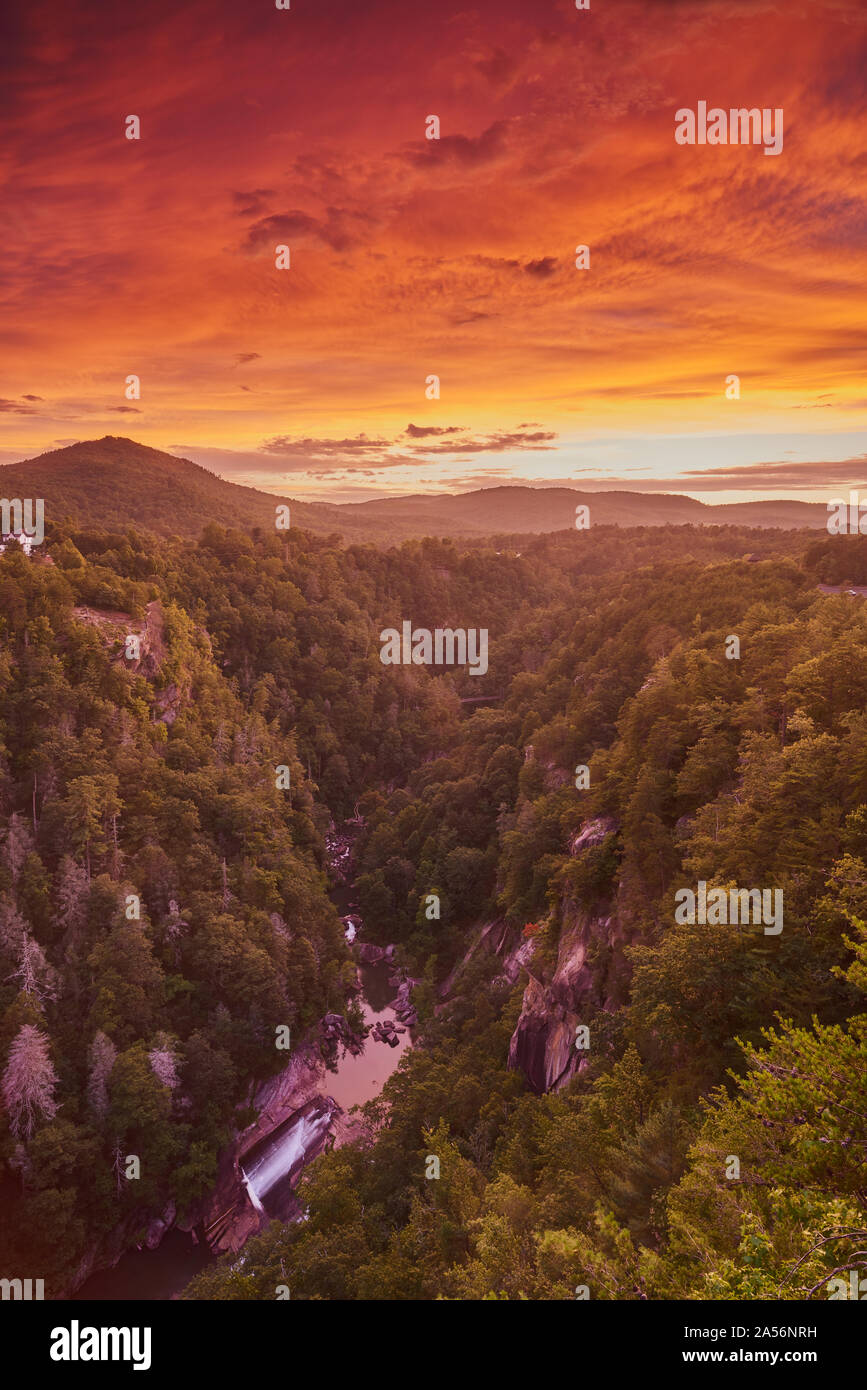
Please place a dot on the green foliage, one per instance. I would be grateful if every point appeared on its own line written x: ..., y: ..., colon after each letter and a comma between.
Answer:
x: 160, y: 893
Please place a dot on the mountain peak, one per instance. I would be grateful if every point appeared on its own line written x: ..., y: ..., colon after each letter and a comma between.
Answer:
x: 115, y: 482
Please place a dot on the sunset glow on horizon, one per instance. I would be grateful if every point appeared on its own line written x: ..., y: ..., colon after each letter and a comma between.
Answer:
x: 454, y: 258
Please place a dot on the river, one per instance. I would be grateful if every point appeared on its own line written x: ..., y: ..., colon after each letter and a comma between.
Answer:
x: 270, y: 1168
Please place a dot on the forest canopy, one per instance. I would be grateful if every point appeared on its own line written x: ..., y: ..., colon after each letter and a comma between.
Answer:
x: 164, y: 904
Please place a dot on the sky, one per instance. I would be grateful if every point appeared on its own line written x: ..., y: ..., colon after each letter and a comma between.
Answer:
x: 455, y: 258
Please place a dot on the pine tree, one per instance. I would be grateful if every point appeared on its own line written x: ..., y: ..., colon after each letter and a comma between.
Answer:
x: 163, y: 1062
x: 29, y: 1081
x: 102, y: 1057
x: 37, y: 977
x: 71, y: 890
x: 17, y: 845
x: 13, y: 929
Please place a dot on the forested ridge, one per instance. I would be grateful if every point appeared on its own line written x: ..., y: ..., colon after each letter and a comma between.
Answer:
x: 98, y: 482
x: 164, y: 906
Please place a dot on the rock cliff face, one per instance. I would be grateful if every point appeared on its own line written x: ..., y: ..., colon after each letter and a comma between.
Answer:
x: 116, y: 627
x: 498, y: 939
x: 543, y: 1043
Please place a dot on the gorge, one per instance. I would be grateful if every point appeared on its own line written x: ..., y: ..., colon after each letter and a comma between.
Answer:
x: 302, y: 1110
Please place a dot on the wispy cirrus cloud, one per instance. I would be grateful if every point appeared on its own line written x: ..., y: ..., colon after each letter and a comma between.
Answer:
x: 501, y: 442
x: 286, y: 446
x: 386, y: 453
x: 328, y: 457
x: 784, y: 473
x: 427, y: 431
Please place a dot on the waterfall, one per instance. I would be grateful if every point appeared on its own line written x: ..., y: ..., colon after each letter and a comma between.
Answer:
x: 252, y: 1194
x: 280, y: 1156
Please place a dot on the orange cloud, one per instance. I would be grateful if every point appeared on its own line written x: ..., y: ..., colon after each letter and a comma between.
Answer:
x: 413, y: 257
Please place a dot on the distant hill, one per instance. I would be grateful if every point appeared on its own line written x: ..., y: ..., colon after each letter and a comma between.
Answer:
x: 115, y: 483
x: 516, y: 509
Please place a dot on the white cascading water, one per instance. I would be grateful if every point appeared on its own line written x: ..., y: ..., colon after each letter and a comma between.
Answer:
x: 251, y: 1193
x: 278, y: 1160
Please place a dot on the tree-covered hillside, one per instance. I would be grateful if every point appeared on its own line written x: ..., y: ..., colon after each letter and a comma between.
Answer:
x: 116, y: 482
x: 164, y: 907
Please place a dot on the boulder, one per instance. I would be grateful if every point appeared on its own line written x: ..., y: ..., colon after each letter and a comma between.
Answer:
x: 369, y: 954
x: 402, y: 998
x: 157, y: 1228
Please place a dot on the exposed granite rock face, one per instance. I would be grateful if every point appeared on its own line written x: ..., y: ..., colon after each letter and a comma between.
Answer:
x: 115, y: 627
x: 369, y: 954
x: 543, y: 1043
x: 517, y: 957
x: 500, y: 940
x: 591, y: 834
